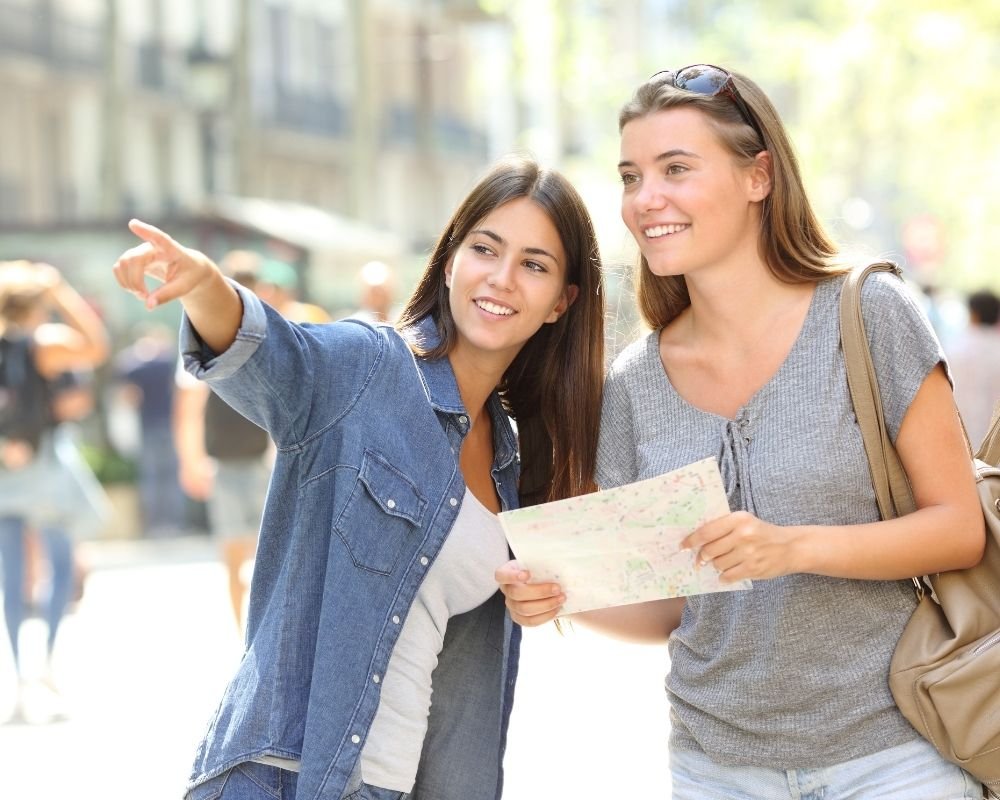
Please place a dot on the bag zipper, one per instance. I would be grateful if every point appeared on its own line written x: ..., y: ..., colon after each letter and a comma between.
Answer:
x: 994, y: 639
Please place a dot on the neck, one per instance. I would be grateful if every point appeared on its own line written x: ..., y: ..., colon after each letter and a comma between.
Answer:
x: 733, y: 305
x: 476, y: 380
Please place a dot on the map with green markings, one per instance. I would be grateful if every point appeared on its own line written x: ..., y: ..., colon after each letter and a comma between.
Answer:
x: 622, y: 545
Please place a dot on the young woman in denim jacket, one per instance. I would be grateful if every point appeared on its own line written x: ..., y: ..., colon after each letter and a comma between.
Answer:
x: 374, y: 574
x: 781, y: 691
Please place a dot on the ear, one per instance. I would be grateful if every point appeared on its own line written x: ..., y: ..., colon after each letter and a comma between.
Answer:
x: 566, y: 299
x: 447, y: 274
x: 759, y: 180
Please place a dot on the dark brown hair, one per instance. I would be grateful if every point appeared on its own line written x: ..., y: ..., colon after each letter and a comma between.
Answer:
x: 553, y: 387
x: 792, y: 243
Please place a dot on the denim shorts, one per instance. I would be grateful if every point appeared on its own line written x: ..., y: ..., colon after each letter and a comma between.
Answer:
x: 912, y: 771
x: 237, y: 500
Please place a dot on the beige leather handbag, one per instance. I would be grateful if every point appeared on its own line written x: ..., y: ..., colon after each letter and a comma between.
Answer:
x: 945, y: 672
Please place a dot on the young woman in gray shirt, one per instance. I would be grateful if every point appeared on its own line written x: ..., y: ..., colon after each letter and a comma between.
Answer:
x: 781, y: 691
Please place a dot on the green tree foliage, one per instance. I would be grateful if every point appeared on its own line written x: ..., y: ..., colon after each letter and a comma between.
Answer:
x: 892, y: 105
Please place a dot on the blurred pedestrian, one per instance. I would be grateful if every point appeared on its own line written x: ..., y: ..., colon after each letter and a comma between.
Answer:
x: 42, y: 479
x: 974, y: 355
x: 277, y: 285
x: 225, y: 459
x: 373, y: 583
x: 145, y: 374
x: 741, y: 287
x: 376, y: 293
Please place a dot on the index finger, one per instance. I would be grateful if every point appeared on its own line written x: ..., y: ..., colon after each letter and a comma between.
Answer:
x: 153, y: 235
x: 708, y: 532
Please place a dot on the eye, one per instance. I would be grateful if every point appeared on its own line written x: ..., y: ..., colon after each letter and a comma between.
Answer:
x: 676, y: 169
x: 534, y: 266
x: 482, y: 249
x: 628, y: 178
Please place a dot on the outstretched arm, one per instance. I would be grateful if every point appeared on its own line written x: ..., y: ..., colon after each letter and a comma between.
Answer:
x: 79, y: 341
x: 212, y: 305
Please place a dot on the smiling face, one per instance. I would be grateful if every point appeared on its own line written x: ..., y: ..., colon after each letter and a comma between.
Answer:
x: 506, y: 279
x: 685, y: 198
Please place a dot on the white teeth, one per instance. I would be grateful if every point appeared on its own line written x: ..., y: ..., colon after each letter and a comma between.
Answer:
x: 664, y: 230
x: 493, y: 308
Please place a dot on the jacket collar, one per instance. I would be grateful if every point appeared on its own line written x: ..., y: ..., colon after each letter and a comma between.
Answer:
x: 442, y: 390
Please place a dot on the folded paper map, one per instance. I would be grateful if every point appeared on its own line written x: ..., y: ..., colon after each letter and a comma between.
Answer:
x: 622, y: 545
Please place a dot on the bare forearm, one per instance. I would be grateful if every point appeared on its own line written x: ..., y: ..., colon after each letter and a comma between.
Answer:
x: 215, y: 311
x: 643, y: 623
x: 189, y: 422
x: 934, y: 539
x: 77, y: 314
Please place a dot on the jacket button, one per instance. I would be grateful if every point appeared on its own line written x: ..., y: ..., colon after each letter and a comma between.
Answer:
x: 356, y: 739
x: 463, y: 419
x: 390, y: 503
x: 376, y: 678
x: 453, y: 502
x: 395, y: 619
x: 424, y: 561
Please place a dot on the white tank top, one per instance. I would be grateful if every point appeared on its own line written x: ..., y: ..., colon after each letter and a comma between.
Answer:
x: 459, y: 580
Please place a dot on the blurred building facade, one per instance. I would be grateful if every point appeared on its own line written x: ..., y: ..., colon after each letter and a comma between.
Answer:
x: 378, y: 110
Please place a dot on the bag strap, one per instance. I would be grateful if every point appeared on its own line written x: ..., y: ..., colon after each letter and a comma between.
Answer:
x: 989, y: 450
x: 892, y: 489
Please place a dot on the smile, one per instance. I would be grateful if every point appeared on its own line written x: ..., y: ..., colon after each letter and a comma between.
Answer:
x: 494, y: 308
x: 663, y: 230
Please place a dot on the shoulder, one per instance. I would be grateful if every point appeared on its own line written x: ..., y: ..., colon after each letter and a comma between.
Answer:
x: 884, y: 293
x: 635, y: 359
x: 347, y: 333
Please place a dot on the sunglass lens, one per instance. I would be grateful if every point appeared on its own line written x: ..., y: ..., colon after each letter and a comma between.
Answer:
x: 701, y: 79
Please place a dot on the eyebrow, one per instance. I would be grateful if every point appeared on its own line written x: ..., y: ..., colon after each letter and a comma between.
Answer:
x: 663, y: 157
x: 534, y: 251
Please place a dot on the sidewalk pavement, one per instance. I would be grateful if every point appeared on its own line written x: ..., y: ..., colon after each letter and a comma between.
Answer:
x: 144, y: 659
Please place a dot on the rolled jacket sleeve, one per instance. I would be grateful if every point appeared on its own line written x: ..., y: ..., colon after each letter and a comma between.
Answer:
x: 201, y: 362
x: 294, y: 380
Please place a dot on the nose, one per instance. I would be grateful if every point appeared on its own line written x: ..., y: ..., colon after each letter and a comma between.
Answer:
x: 501, y: 277
x: 649, y: 197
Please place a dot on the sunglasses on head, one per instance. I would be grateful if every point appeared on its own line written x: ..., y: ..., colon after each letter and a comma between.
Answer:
x: 710, y: 80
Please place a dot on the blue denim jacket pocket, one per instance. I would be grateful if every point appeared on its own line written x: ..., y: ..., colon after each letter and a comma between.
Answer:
x: 385, y: 507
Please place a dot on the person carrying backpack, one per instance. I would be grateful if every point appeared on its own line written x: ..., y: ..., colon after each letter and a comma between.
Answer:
x: 34, y: 472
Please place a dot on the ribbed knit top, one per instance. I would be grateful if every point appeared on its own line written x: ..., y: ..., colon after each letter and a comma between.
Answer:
x: 793, y: 673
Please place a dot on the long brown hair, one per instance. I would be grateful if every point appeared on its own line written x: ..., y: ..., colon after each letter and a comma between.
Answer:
x: 553, y: 387
x: 792, y: 243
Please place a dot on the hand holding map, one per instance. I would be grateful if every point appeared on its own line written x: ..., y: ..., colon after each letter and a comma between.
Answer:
x: 622, y: 545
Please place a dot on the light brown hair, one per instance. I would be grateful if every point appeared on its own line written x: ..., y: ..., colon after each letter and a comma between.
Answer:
x: 553, y: 387
x: 793, y: 243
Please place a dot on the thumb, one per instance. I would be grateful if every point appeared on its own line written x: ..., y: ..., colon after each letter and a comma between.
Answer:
x: 511, y: 572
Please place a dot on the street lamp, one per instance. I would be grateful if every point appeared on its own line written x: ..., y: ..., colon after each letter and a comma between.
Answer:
x: 209, y: 81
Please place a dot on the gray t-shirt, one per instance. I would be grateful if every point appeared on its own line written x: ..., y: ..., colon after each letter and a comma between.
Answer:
x: 792, y: 674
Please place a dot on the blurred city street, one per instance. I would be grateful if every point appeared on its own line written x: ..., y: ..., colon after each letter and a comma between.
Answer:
x: 143, y: 660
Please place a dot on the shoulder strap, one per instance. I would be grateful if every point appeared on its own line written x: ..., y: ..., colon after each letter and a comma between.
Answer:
x: 892, y: 489
x: 989, y: 450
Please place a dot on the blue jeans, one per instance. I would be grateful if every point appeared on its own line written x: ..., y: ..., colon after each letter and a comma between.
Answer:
x: 12, y: 552
x: 912, y: 771
x: 253, y: 781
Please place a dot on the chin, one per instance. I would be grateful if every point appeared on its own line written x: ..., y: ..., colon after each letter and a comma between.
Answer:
x: 665, y: 269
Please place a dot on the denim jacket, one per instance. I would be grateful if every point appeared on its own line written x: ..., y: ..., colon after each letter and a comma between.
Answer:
x: 365, y: 489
